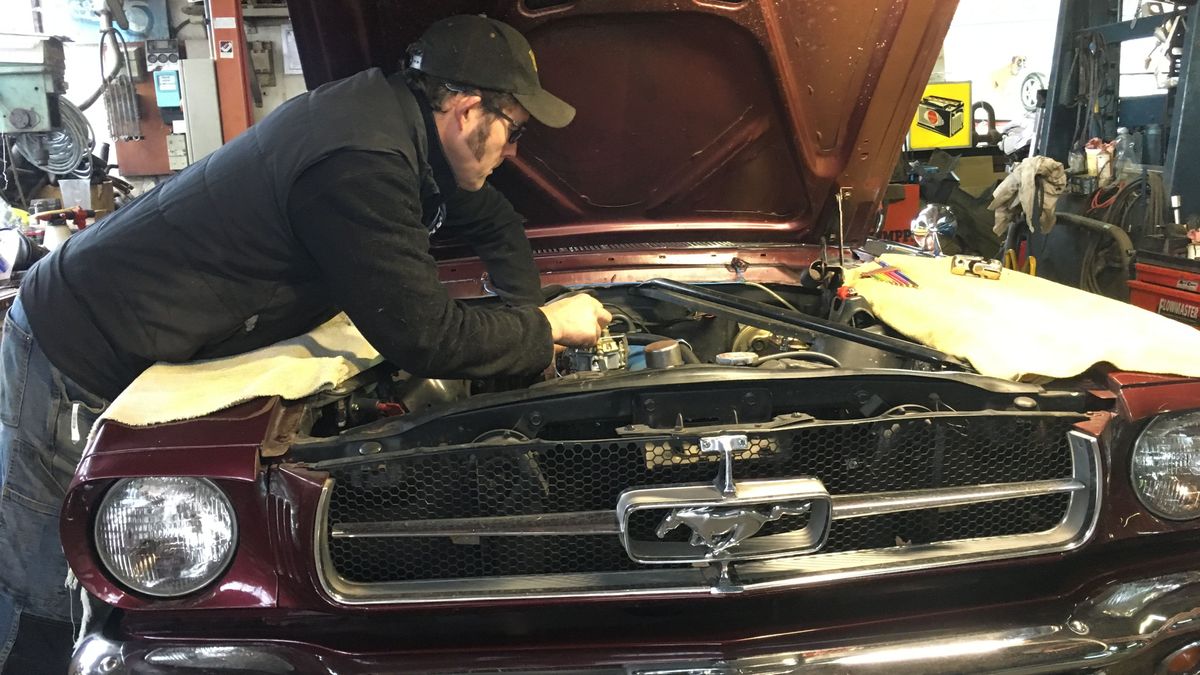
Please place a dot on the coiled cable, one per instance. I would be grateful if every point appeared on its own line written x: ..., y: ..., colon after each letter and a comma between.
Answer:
x: 61, y: 151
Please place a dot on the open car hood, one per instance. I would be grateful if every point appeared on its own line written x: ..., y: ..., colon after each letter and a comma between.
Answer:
x: 697, y: 119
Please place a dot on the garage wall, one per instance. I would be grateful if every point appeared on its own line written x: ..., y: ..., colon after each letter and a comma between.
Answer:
x: 986, y: 36
x: 1138, y: 79
x: 83, y: 72
x: 259, y: 28
x: 985, y: 39
x: 286, y: 86
x: 16, y: 16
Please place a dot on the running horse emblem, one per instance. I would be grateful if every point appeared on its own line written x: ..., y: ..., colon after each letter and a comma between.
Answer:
x: 721, y: 529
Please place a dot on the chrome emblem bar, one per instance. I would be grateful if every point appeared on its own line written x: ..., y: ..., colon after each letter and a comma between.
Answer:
x: 722, y: 529
x: 724, y: 518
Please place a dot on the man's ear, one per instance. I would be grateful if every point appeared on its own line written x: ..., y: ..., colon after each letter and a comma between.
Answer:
x: 462, y: 107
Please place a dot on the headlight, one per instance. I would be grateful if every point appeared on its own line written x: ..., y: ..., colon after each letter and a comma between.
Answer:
x: 165, y: 536
x: 1166, y: 466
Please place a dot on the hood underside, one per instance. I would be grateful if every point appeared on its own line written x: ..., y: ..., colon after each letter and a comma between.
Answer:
x: 742, y: 118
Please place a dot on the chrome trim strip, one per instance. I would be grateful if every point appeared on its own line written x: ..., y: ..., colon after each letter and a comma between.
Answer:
x: 606, y: 522
x: 695, y: 581
x: 1120, y: 627
x: 880, y: 503
x: 1076, y: 528
x: 575, y: 523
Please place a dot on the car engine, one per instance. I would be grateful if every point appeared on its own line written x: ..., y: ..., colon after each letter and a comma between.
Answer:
x: 658, y: 327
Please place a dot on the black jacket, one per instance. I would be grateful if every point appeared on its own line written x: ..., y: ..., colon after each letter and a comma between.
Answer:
x: 326, y: 204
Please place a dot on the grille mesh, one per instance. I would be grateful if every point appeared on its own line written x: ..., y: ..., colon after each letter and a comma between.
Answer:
x: 543, y: 477
x: 992, y: 519
x: 379, y: 560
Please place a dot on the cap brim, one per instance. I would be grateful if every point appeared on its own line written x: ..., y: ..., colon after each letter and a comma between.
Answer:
x: 547, y: 108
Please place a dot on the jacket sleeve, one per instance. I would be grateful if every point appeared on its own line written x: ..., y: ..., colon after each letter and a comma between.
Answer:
x: 358, y: 215
x: 488, y: 223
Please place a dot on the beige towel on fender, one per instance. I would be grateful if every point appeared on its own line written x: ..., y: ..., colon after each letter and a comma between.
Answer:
x: 1020, y: 327
x: 167, y: 392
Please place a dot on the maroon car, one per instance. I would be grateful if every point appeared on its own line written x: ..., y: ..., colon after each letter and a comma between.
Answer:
x: 750, y: 474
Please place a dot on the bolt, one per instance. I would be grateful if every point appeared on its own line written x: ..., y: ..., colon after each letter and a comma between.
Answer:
x: 108, y: 664
x: 370, y: 448
x: 1079, y: 627
x: 705, y: 444
x: 750, y: 399
x: 535, y: 418
x: 649, y: 405
x: 22, y: 118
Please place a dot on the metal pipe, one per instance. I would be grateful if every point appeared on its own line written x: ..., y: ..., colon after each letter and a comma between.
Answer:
x: 1124, y: 243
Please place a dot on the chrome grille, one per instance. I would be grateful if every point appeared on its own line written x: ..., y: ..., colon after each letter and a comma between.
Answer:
x: 381, y: 540
x: 990, y: 519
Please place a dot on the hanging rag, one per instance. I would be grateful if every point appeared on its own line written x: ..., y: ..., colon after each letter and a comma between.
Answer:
x: 1020, y: 189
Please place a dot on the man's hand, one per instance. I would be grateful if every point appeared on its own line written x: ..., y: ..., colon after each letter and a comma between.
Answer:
x: 576, y: 321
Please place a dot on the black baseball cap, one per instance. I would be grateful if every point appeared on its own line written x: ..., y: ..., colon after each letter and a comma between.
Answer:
x: 489, y: 54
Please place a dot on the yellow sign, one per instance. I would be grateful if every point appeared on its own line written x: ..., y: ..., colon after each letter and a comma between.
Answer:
x: 943, y: 118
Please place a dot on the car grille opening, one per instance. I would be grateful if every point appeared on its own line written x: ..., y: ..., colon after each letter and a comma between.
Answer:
x: 369, y: 551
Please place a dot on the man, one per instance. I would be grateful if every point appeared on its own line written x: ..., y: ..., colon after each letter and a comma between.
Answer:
x: 327, y: 205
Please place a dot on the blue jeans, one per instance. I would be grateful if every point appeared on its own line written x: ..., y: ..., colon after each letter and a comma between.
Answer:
x: 45, y: 419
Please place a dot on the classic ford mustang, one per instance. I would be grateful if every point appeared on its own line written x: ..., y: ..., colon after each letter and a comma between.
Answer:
x: 750, y: 473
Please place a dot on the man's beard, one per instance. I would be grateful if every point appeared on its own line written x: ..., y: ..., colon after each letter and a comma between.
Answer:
x: 477, y: 143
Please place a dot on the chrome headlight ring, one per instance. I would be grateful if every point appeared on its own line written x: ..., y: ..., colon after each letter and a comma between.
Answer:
x: 1165, y: 466
x: 165, y: 536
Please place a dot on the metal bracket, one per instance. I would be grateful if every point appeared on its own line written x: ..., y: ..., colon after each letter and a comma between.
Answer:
x: 726, y: 445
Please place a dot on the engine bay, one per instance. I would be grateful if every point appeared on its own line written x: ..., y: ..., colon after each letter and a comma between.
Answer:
x: 662, y: 326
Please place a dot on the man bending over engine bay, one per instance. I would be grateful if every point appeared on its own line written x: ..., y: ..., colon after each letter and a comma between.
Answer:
x: 326, y: 205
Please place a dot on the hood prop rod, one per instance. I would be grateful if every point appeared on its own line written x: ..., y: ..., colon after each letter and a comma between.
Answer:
x: 785, y: 321
x: 842, y: 194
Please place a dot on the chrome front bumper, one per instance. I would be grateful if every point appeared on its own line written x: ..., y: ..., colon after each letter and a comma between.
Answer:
x: 1130, y: 627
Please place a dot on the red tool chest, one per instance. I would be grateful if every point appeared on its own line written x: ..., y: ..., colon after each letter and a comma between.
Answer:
x: 1168, y: 286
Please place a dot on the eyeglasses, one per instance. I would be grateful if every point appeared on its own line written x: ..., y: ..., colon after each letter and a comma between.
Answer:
x: 515, y: 131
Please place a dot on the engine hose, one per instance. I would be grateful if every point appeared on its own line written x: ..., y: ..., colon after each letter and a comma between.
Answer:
x: 1093, y: 263
x: 803, y: 356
